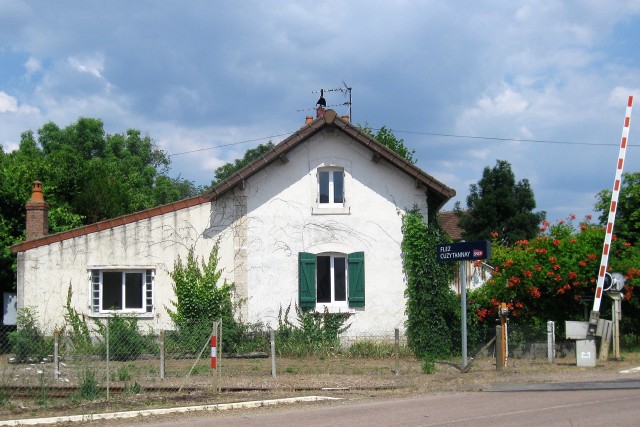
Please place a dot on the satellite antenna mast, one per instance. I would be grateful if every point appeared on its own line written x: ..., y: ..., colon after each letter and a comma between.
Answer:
x: 345, y: 90
x: 348, y: 90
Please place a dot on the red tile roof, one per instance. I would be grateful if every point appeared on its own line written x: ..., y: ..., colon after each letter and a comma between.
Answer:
x: 449, y: 222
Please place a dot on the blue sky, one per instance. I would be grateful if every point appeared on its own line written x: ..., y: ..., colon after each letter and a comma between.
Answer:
x: 195, y: 75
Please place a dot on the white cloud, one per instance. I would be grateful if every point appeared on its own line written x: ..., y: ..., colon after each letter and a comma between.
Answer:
x: 620, y: 95
x: 8, y: 104
x: 93, y: 65
x: 32, y: 65
x: 505, y: 103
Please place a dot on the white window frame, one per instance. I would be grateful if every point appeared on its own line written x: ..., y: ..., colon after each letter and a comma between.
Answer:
x: 331, y: 208
x: 333, y: 303
x: 96, y: 276
x: 332, y: 171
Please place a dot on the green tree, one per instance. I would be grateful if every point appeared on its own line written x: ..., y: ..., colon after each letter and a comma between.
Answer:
x: 387, y: 138
x: 499, y: 204
x: 228, y: 169
x: 87, y: 176
x: 627, y: 223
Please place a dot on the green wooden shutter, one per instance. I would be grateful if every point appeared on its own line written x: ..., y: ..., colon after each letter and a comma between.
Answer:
x: 356, y: 279
x: 307, y: 280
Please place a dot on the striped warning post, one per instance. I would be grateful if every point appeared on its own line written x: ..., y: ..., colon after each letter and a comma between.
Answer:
x: 617, y: 183
x: 214, y: 352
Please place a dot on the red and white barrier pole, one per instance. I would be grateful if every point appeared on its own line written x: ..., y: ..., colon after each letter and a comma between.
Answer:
x: 604, y: 261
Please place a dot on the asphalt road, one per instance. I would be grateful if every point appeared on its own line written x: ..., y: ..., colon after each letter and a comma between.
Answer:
x: 585, y: 405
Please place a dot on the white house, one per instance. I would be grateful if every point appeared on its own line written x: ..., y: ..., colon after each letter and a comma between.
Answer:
x: 314, y: 222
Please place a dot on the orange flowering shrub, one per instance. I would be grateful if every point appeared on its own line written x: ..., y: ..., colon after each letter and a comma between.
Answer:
x: 553, y: 276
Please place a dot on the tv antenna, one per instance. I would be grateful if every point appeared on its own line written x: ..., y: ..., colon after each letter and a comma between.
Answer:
x: 346, y: 90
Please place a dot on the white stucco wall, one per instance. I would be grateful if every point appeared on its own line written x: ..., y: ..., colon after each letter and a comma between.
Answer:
x: 46, y: 272
x: 283, y: 220
x: 261, y: 229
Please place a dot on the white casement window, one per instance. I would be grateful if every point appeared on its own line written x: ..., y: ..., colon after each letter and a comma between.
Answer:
x: 331, y: 187
x: 121, y: 291
x: 331, y: 279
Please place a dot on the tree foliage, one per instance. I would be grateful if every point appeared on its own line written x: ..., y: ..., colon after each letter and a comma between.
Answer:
x: 553, y: 277
x: 497, y: 203
x: 228, y: 169
x: 387, y: 138
x: 627, y: 223
x: 433, y: 311
x: 87, y: 176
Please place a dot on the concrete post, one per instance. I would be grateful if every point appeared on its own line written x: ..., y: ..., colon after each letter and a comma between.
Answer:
x: 551, y: 341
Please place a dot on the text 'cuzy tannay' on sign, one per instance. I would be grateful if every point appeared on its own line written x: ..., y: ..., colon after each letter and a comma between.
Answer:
x: 463, y: 251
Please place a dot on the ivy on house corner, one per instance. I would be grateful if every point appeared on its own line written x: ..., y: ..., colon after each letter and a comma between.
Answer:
x: 433, y: 312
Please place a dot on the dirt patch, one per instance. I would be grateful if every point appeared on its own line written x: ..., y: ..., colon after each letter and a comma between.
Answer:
x: 338, y: 376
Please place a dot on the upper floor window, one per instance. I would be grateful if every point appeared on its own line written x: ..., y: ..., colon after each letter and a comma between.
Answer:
x: 331, y: 187
x: 126, y: 291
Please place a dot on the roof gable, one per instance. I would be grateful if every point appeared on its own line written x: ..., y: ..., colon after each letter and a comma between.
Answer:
x: 441, y: 192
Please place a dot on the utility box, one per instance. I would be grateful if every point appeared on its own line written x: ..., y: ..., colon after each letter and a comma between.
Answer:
x: 586, y: 352
x: 576, y: 330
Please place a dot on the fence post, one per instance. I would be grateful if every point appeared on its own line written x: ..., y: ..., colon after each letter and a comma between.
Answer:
x: 499, y: 349
x: 551, y: 341
x: 397, y: 346
x: 107, y: 345
x: 56, y: 360
x: 162, y: 355
x: 219, y: 350
x: 272, y: 338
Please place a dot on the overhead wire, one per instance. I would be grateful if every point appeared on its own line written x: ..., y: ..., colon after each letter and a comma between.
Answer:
x: 445, y: 135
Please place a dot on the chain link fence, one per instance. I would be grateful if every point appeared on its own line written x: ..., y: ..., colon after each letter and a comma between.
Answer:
x: 113, y: 356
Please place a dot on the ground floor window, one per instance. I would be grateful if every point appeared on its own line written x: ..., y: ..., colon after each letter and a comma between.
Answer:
x: 331, y: 279
x: 127, y: 291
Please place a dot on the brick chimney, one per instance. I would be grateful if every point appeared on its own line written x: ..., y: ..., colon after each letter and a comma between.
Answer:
x: 37, y: 214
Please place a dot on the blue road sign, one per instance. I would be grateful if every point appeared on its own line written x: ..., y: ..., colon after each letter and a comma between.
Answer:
x: 463, y: 251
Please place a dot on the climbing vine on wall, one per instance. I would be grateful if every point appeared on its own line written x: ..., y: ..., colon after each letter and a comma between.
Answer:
x: 433, y: 312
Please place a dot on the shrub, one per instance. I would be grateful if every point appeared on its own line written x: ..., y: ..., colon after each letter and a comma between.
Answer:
x: 89, y: 388
x: 125, y: 342
x: 200, y: 301
x: 428, y: 364
x: 79, y: 333
x: 315, y: 332
x: 553, y: 277
x: 28, y: 342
